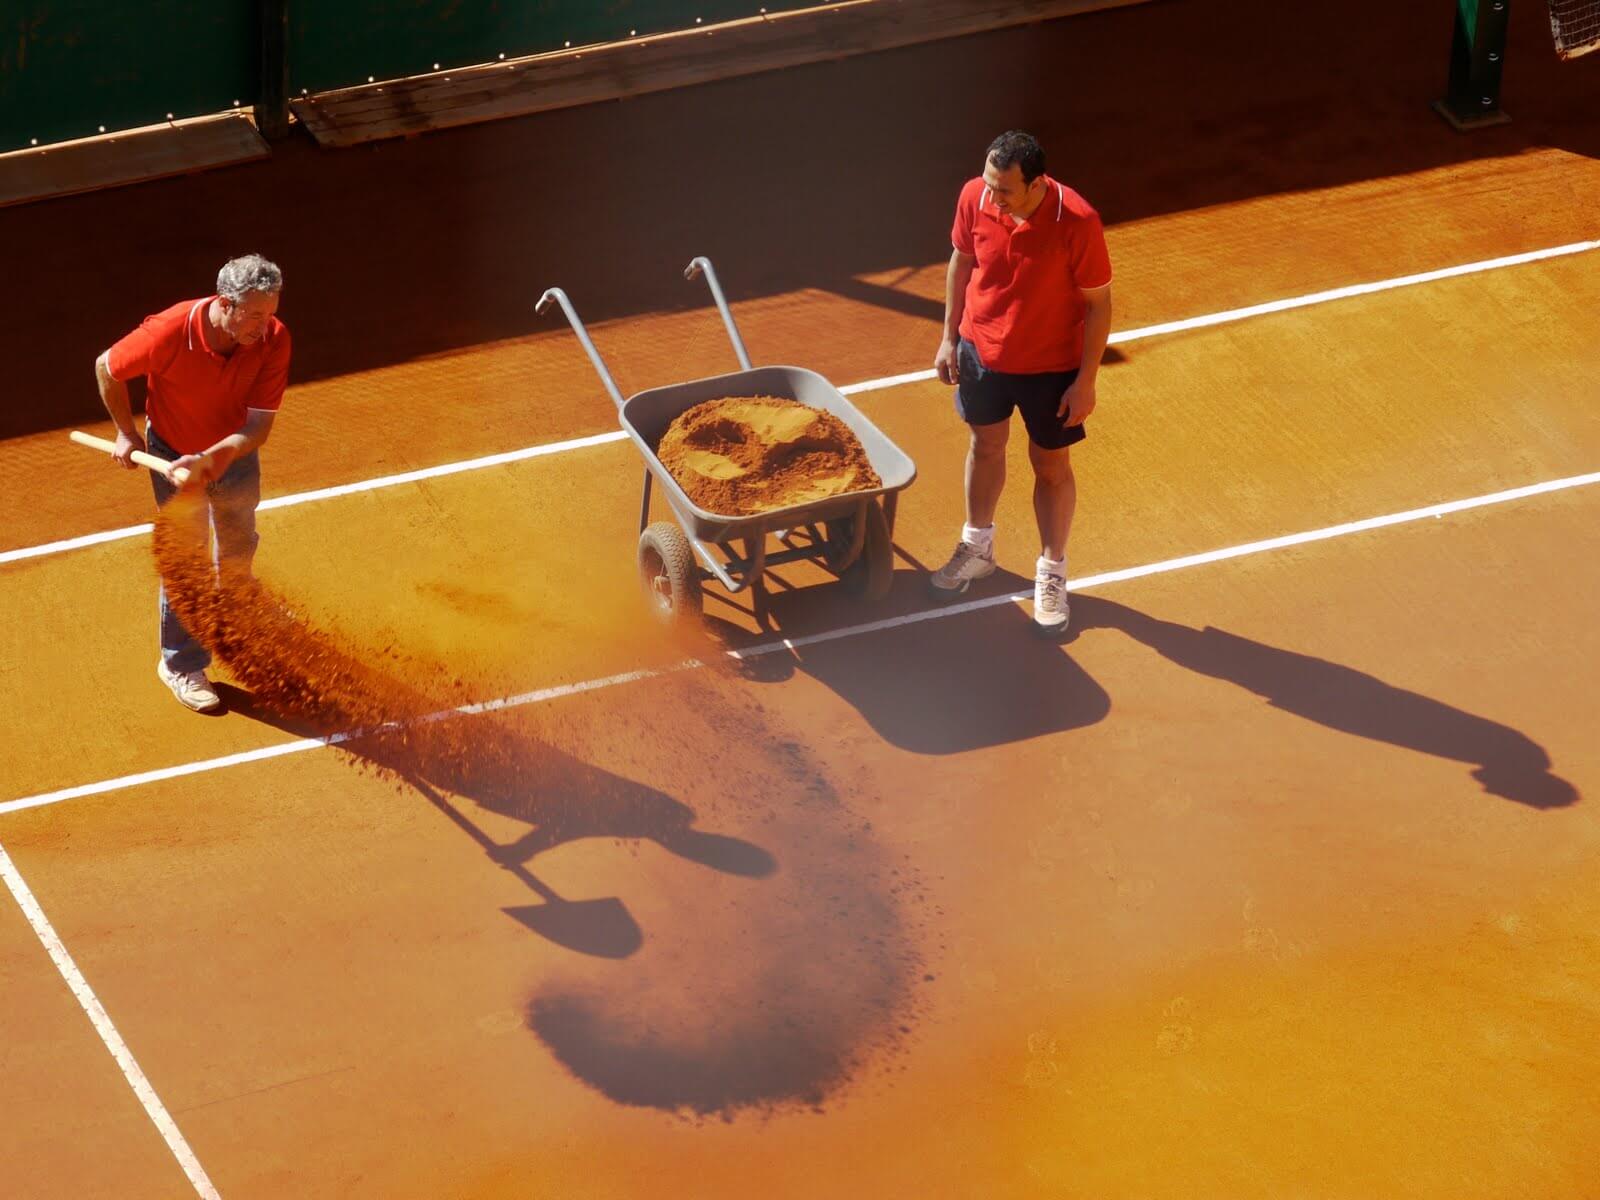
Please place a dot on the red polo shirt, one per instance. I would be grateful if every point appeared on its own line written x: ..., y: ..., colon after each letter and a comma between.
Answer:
x: 196, y: 396
x: 1024, y: 310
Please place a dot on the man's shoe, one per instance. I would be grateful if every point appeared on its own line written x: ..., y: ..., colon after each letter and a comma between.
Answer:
x: 192, y: 688
x: 1050, y: 608
x: 966, y: 564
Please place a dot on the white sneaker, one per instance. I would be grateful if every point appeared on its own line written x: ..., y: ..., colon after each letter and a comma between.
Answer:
x: 969, y: 562
x: 192, y: 689
x: 1050, y: 607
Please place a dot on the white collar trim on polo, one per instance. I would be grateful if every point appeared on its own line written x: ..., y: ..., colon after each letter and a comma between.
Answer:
x: 1061, y: 198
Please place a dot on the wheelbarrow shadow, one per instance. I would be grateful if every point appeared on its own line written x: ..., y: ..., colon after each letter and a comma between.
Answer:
x: 961, y: 681
x: 1504, y: 761
x: 563, y: 799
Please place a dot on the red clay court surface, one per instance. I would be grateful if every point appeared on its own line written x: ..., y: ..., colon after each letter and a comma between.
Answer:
x: 1277, y: 879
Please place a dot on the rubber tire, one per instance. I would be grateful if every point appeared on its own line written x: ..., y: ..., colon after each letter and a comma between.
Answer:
x: 665, y: 553
x: 870, y: 576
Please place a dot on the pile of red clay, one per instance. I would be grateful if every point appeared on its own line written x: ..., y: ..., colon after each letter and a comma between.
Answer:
x: 751, y: 454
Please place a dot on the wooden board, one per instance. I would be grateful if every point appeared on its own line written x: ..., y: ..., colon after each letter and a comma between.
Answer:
x: 539, y: 83
x: 130, y: 156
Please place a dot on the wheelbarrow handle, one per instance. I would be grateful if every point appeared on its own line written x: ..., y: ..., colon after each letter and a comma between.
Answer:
x: 556, y: 296
x: 703, y: 264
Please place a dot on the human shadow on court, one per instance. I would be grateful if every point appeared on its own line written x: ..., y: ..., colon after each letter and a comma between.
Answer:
x: 563, y: 799
x: 1504, y: 762
x: 980, y: 678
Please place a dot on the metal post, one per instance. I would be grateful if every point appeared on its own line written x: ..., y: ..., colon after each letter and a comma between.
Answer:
x: 1477, y: 58
x: 272, y: 100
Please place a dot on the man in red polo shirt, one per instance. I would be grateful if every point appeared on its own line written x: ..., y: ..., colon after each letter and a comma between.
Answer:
x: 1027, y: 314
x: 215, y: 370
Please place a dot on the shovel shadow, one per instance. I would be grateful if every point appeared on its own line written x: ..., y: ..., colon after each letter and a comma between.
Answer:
x: 560, y: 797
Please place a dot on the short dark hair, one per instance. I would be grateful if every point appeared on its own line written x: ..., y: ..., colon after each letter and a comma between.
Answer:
x: 1018, y: 149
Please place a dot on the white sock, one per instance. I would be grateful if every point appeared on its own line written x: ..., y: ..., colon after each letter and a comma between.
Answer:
x: 983, y: 538
x: 1051, y: 566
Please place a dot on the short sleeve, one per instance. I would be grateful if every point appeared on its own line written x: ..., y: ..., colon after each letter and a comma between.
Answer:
x: 148, y: 350
x: 1091, y: 262
x: 966, y: 217
x: 267, y: 390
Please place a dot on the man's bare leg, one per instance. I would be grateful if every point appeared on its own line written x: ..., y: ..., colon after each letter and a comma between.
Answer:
x: 1055, y: 498
x: 986, y: 479
x: 986, y: 472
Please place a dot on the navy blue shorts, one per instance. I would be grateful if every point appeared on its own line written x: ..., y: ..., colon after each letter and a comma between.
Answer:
x: 985, y: 397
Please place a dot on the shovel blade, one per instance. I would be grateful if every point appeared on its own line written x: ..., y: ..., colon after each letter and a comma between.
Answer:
x: 603, y: 928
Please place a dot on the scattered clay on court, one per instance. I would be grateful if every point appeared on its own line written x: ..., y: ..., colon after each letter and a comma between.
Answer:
x: 303, y: 676
x: 751, y: 998
x: 750, y: 454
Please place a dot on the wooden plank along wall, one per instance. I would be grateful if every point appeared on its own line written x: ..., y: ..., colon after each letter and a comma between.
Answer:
x: 438, y: 101
x: 340, y: 43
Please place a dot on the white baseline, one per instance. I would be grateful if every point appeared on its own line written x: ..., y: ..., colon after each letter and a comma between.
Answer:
x: 1089, y: 581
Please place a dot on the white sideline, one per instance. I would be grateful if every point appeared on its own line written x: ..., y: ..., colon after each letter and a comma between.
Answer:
x: 853, y: 389
x: 568, y: 689
x: 96, y: 1012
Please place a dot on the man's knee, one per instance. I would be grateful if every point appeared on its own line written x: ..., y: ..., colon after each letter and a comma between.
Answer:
x: 989, y: 441
x: 1051, y: 467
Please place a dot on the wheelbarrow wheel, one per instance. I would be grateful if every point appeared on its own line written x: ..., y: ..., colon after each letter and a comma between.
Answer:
x: 872, y: 572
x: 669, y: 574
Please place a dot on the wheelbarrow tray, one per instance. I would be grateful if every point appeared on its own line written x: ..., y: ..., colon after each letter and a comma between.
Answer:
x: 646, y: 415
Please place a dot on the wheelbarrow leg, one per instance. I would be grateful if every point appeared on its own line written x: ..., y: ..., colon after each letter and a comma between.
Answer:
x: 755, y: 554
x: 759, y: 607
x: 891, y: 505
x: 644, y: 505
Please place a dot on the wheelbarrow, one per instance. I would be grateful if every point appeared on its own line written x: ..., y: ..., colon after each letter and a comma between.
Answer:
x: 851, y: 534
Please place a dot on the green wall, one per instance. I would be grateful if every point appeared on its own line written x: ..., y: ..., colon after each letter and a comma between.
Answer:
x: 70, y: 66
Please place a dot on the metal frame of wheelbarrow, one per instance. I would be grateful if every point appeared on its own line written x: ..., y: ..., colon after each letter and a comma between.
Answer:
x: 852, y: 533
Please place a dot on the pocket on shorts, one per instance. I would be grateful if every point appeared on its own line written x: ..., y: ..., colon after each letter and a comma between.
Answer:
x: 969, y: 366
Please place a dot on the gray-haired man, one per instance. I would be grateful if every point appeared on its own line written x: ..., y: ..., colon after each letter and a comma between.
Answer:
x: 215, y: 370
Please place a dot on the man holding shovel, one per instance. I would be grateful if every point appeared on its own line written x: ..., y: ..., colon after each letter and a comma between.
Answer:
x: 215, y: 370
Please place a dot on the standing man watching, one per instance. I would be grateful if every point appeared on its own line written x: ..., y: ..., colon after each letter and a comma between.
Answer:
x: 215, y: 370
x: 1027, y: 314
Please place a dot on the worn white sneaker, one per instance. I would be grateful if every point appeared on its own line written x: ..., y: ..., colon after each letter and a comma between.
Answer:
x: 1050, y: 608
x: 192, y: 688
x: 969, y: 562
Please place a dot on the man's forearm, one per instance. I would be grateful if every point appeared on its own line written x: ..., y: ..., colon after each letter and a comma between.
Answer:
x: 956, y: 277
x: 251, y: 436
x: 233, y: 445
x: 1096, y: 333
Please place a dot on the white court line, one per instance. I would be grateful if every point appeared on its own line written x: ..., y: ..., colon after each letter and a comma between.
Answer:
x: 934, y: 614
x: 108, y: 1032
x: 853, y: 389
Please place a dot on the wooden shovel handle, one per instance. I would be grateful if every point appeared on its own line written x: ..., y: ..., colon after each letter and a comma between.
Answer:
x: 179, y: 477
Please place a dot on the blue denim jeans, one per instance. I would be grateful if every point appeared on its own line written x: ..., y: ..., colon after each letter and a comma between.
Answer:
x: 229, y: 529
